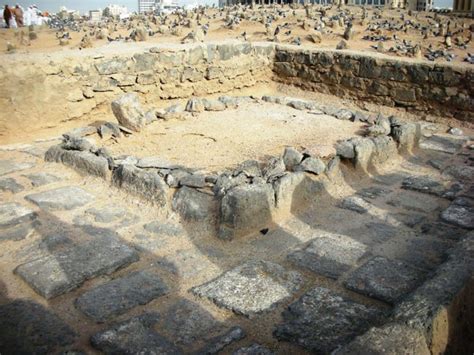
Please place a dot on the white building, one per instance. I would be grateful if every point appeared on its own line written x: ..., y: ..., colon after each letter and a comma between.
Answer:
x: 95, y: 15
x: 117, y: 11
x: 147, y: 6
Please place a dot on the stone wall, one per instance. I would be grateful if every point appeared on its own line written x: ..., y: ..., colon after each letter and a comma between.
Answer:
x: 432, y: 89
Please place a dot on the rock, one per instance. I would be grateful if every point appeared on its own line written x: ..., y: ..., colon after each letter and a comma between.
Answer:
x: 107, y: 214
x: 66, y: 269
x: 250, y: 168
x: 213, y: 105
x: 29, y: 327
x: 364, y: 150
x: 413, y: 202
x: 193, y: 205
x: 372, y: 192
x: 348, y: 32
x: 219, y: 343
x: 40, y: 179
x: 120, y: 295
x: 456, y: 131
x: 356, y: 204
x: 63, y: 198
x: 246, y: 209
x: 10, y: 184
x: 8, y: 166
x: 315, y: 38
x: 384, y: 279
x: 226, y: 182
x: 155, y: 162
x: 78, y: 143
x: 444, y: 144
x: 109, y: 129
x: 12, y: 214
x: 312, y: 165
x: 251, y: 288
x: 345, y: 149
x: 322, y: 320
x: 295, y: 190
x: 407, y: 135
x: 129, y: 112
x: 460, y: 213
x: 274, y: 169
x: 329, y: 254
x: 193, y: 180
x: 254, y: 349
x: 291, y: 158
x: 194, y: 105
x: 424, y: 184
x: 135, y: 335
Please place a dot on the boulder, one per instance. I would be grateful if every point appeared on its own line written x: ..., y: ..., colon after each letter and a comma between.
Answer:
x: 292, y: 158
x: 129, y: 112
x: 193, y: 205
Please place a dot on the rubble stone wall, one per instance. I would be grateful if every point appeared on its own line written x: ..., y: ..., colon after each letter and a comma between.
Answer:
x: 432, y: 89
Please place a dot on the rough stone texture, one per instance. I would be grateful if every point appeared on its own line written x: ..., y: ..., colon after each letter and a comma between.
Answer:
x: 373, y: 192
x: 129, y: 112
x: 460, y: 213
x: 291, y: 158
x: 441, y: 143
x: 252, y: 288
x: 356, y: 204
x: 413, y: 202
x: 134, y: 336
x: 329, y: 254
x: 312, y: 165
x: 407, y: 135
x: 254, y: 349
x: 146, y: 184
x: 63, y: 198
x: 107, y: 214
x: 118, y: 296
x: 245, y: 209
x: 8, y: 166
x: 392, y: 339
x: 10, y: 184
x: 12, y: 214
x: 322, y: 320
x: 217, y: 344
x: 384, y: 279
x: 18, y: 232
x: 424, y: 184
x: 63, y: 270
x: 41, y: 179
x: 30, y: 328
x: 363, y: 149
x: 193, y: 205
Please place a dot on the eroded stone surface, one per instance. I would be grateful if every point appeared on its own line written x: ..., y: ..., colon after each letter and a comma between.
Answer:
x: 118, y: 296
x: 356, y: 204
x: 9, y: 166
x: 217, y: 344
x: 14, y: 213
x: 321, y: 320
x: 10, y: 184
x: 460, y: 213
x: 254, y: 349
x: 384, y: 279
x: 40, y: 179
x: 251, y: 288
x: 424, y: 184
x: 63, y: 198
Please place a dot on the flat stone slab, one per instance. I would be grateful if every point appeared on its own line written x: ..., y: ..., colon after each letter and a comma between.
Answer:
x: 217, y: 344
x: 410, y: 201
x: 254, y: 349
x: 322, y: 320
x: 13, y: 213
x: 17, y: 232
x: 134, y: 336
x: 251, y: 288
x: 384, y: 279
x: 460, y: 213
x: 329, y: 255
x: 373, y: 192
x: 443, y: 144
x: 10, y: 184
x: 9, y: 166
x: 356, y: 204
x: 120, y: 295
x: 107, y: 214
x: 63, y: 198
x: 27, y: 327
x: 163, y: 229
x: 40, y: 179
x: 424, y: 184
x: 64, y: 270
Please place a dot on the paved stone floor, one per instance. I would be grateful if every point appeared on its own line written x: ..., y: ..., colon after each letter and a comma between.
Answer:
x: 85, y: 267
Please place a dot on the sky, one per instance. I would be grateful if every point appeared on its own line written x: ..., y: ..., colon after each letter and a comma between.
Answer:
x: 85, y: 5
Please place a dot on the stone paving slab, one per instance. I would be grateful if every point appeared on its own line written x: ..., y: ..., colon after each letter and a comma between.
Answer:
x: 40, y: 179
x: 356, y: 204
x: 64, y: 270
x: 217, y: 344
x: 27, y: 327
x: 63, y: 198
x: 134, y: 336
x: 460, y: 213
x: 251, y: 288
x: 17, y: 232
x: 443, y: 231
x: 329, y: 255
x: 373, y: 192
x: 254, y: 349
x: 424, y: 184
x: 322, y: 320
x: 413, y: 202
x: 11, y: 185
x: 13, y: 213
x: 9, y: 166
x: 107, y: 214
x: 120, y: 295
x: 442, y: 144
x: 384, y: 279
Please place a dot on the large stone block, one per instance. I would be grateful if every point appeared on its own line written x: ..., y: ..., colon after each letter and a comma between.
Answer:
x: 63, y: 198
x: 129, y: 112
x: 193, y: 205
x: 245, y: 209
x: 407, y: 135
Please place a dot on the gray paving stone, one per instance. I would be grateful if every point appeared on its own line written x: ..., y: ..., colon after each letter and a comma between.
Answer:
x: 63, y: 198
x: 134, y: 336
x: 14, y: 213
x: 425, y: 253
x: 217, y: 344
x: 64, y: 270
x: 413, y: 202
x: 322, y: 320
x: 120, y: 295
x: 10, y: 184
x: 251, y: 288
x: 18, y: 232
x: 373, y: 192
x: 329, y: 255
x: 40, y: 179
x: 9, y: 166
x: 410, y: 220
x: 356, y: 204
x: 163, y: 229
x: 459, y: 213
x: 384, y: 279
x: 254, y: 349
x: 443, y: 231
x: 424, y: 184
x: 27, y: 327
x: 107, y: 214
x: 442, y: 144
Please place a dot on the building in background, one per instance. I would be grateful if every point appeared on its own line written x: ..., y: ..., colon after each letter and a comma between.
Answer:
x: 116, y: 11
x: 145, y: 6
x: 463, y: 6
x: 95, y: 15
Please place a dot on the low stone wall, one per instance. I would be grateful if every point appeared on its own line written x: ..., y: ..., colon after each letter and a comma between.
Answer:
x: 433, y: 89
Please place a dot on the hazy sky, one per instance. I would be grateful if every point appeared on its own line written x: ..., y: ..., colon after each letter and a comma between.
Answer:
x: 85, y: 5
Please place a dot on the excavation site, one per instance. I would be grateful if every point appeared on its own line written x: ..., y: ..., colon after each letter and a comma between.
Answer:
x: 235, y: 197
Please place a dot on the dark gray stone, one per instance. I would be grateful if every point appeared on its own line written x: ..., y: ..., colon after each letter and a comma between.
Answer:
x: 373, y: 192
x: 291, y: 158
x: 217, y: 344
x: 107, y: 214
x: 59, y: 272
x: 226, y: 182
x: 254, y: 349
x: 329, y: 254
x: 111, y: 66
x: 384, y: 279
x: 251, y: 288
x: 424, y: 184
x: 322, y: 320
x: 274, y: 169
x: 17, y: 232
x: 77, y: 143
x: 13, y: 213
x: 120, y: 295
x: 193, y: 205
x: 134, y: 336
x: 10, y: 184
x: 413, y: 202
x: 163, y: 229
x: 29, y: 328
x: 355, y: 203
x: 443, y: 144
x: 63, y: 198
x: 193, y: 180
x: 251, y: 168
x: 41, y: 179
x: 460, y: 172
x: 155, y: 162
x: 443, y: 231
x: 8, y: 166
x: 459, y: 214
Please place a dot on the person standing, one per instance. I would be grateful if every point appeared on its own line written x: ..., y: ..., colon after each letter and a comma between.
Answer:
x: 7, y: 15
x: 19, y: 15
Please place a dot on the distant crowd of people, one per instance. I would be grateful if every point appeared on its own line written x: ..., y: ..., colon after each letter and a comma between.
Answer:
x: 17, y: 17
